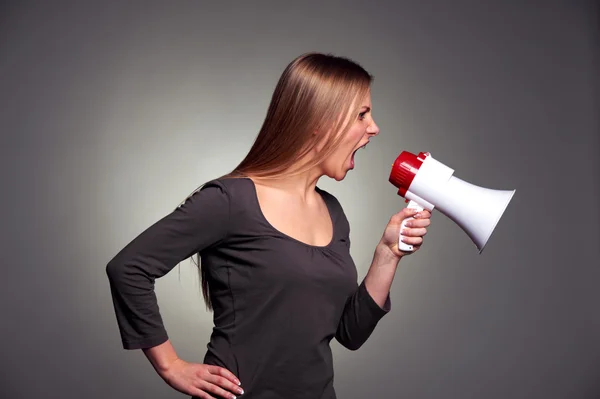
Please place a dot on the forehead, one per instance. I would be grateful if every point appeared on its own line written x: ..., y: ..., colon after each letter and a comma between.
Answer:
x: 366, y: 101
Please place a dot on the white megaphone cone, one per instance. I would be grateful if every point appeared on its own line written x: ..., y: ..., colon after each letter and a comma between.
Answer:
x: 427, y: 184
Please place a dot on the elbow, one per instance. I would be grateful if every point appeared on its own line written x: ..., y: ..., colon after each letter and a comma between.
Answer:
x: 125, y: 273
x: 115, y: 270
x: 353, y: 346
x: 112, y: 269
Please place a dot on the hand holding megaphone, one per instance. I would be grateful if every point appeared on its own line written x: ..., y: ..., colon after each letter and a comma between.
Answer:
x: 426, y: 183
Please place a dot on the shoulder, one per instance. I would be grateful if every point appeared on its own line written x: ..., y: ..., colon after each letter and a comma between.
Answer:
x: 230, y: 186
x: 237, y: 192
x: 220, y: 197
x: 220, y: 190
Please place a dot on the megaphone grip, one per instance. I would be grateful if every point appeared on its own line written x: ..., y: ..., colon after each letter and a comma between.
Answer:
x: 402, y: 245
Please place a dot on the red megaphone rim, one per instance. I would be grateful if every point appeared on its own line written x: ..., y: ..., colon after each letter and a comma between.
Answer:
x: 404, y: 170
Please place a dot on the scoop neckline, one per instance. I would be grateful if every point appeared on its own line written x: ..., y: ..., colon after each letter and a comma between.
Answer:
x: 287, y: 236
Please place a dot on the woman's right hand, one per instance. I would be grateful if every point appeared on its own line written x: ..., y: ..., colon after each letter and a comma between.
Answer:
x: 202, y: 380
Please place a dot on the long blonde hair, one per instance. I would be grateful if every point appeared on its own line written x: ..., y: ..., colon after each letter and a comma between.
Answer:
x: 315, y: 93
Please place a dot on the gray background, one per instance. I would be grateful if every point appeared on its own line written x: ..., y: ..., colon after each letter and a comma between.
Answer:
x: 112, y: 113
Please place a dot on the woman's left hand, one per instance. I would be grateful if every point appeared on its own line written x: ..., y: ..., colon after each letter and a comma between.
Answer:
x: 412, y: 234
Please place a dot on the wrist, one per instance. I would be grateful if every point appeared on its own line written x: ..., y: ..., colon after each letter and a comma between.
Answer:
x: 162, y: 356
x: 385, y: 255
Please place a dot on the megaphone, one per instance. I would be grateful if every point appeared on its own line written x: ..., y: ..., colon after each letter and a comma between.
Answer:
x: 426, y: 183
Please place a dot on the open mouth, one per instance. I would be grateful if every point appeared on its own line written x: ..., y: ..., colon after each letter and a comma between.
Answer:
x: 354, y: 153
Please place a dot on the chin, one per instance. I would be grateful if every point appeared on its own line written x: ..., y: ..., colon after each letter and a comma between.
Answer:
x: 341, y: 175
x: 337, y: 175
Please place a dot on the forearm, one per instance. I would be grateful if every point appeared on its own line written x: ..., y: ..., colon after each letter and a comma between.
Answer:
x: 161, y: 356
x: 380, y: 276
x: 369, y: 303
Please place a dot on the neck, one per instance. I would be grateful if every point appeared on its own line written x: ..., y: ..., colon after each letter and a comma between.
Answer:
x: 300, y: 185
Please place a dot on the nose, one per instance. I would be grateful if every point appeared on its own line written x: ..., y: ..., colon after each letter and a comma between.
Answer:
x: 373, y: 129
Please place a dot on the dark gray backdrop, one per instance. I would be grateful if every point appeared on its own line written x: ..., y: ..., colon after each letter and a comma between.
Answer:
x: 111, y: 113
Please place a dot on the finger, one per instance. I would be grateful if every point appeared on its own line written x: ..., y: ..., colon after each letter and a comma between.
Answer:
x: 216, y: 390
x: 405, y: 213
x: 415, y: 241
x: 225, y: 383
x: 408, y: 212
x: 223, y: 372
x: 414, y: 232
x: 418, y: 223
x: 424, y: 214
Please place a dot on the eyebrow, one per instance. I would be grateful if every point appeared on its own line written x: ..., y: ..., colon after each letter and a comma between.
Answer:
x: 367, y: 108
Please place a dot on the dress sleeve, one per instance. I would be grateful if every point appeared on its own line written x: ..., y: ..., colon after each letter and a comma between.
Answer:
x: 200, y: 222
x: 359, y: 318
x: 361, y: 313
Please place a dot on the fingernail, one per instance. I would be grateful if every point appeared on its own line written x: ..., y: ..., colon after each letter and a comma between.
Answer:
x: 417, y: 215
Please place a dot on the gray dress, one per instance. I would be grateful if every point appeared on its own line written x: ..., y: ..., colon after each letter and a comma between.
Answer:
x: 278, y: 302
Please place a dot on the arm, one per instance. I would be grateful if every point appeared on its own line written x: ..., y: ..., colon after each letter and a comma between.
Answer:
x: 387, y: 256
x: 161, y: 356
x: 380, y: 276
x: 371, y: 301
x: 368, y: 304
x: 200, y: 222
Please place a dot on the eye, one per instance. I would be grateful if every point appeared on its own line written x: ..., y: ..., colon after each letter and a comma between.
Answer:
x: 361, y: 116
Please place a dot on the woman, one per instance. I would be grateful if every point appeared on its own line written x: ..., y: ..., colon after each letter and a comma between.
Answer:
x: 274, y: 248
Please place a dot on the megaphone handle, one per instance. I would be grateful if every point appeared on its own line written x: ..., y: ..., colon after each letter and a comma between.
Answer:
x: 402, y: 245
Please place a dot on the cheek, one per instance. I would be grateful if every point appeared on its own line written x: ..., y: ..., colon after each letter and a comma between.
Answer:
x: 356, y: 134
x: 345, y: 151
x: 339, y: 157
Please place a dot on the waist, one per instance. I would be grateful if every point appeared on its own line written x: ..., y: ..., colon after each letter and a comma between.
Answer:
x: 273, y: 371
